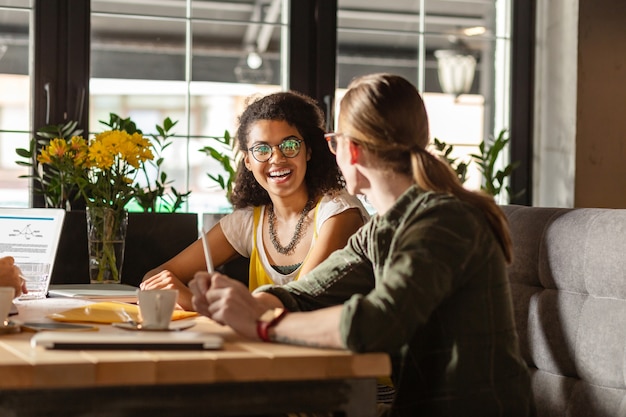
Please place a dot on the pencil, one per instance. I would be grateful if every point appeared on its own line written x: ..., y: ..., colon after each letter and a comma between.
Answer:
x: 207, y: 253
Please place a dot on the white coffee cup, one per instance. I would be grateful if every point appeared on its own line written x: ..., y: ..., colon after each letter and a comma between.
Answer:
x: 156, y: 308
x: 6, y: 301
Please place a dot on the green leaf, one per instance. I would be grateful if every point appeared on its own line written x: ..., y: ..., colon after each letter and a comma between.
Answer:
x: 443, y: 150
x: 489, y: 151
x: 24, y: 153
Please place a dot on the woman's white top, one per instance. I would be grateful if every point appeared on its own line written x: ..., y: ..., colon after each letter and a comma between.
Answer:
x: 238, y: 228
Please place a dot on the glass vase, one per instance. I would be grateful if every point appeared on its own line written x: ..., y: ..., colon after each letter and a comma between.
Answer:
x: 106, y: 237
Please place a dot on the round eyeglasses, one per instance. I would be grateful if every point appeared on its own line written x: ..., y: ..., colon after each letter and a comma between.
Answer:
x: 289, y: 147
x: 331, y: 138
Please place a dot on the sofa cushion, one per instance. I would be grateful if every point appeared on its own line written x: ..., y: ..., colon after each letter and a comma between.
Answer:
x: 568, y: 281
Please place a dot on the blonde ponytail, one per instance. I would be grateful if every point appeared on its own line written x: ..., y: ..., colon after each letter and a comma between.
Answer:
x: 432, y: 174
x: 390, y: 113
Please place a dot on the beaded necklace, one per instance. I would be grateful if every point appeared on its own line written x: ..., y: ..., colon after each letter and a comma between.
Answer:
x: 297, y: 234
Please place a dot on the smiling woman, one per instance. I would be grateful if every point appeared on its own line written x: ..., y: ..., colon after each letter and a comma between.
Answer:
x: 290, y: 207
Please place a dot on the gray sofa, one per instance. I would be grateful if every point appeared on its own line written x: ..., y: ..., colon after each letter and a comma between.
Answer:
x: 568, y: 282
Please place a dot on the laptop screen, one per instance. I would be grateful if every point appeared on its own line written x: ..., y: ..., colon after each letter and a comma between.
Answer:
x: 31, y: 236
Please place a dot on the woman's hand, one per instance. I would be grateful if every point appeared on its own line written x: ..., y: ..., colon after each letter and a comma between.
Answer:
x: 167, y: 280
x: 226, y: 301
x: 11, y: 276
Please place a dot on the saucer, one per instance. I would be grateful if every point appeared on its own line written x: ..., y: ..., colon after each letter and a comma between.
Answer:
x: 10, y: 327
x: 174, y: 326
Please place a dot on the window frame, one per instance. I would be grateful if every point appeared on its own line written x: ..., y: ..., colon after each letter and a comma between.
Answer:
x: 61, y: 69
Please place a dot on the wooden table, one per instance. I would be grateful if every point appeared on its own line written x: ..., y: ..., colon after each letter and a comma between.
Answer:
x: 244, y: 378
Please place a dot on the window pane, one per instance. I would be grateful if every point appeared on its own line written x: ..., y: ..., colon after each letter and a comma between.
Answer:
x: 137, y: 48
x: 221, y: 53
x: 365, y: 51
x: 382, y: 37
x: 14, y: 100
x: 196, y: 66
x: 448, y: 51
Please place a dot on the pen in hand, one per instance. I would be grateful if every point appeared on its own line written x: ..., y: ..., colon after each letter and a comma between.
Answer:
x: 207, y: 253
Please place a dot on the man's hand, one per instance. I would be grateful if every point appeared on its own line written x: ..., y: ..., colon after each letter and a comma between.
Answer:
x: 199, y: 286
x: 226, y: 301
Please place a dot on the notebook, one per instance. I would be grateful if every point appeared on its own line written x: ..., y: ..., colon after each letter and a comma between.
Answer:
x: 31, y: 236
x: 181, y: 340
x: 100, y: 292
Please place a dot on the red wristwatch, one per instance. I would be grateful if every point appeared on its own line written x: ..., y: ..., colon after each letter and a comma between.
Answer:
x: 267, y: 320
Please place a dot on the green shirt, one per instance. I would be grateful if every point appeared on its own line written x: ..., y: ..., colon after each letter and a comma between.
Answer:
x: 426, y: 282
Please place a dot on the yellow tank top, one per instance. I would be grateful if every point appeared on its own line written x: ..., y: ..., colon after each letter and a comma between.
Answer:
x: 258, y: 273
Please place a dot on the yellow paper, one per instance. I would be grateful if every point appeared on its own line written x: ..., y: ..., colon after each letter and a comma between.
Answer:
x: 109, y: 312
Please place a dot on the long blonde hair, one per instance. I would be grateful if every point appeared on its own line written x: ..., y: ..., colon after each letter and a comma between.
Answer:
x: 389, y: 112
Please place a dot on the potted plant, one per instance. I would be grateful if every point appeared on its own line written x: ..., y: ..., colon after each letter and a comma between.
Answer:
x: 445, y: 152
x: 224, y: 153
x: 493, y: 179
x: 151, y: 237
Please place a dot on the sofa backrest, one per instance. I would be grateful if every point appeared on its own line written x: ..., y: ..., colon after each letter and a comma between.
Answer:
x: 568, y: 281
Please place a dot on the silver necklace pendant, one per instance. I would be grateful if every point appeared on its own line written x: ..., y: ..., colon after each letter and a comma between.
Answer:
x: 297, y: 234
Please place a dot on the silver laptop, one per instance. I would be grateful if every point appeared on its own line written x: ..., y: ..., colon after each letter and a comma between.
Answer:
x: 31, y: 236
x: 129, y: 340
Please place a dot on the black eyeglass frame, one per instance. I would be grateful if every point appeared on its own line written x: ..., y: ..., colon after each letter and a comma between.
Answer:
x: 279, y: 146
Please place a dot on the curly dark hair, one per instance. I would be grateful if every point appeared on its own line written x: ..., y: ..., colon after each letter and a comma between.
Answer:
x: 303, y: 113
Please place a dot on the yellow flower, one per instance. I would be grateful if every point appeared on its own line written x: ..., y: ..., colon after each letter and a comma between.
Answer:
x: 80, y: 158
x: 44, y: 158
x: 78, y: 144
x: 112, y: 139
x: 100, y: 156
x: 145, y: 153
x: 57, y: 148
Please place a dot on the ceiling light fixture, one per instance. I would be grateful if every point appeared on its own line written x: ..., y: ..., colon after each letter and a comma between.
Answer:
x: 456, y: 67
x: 254, y: 60
x: 475, y: 31
x: 253, y: 69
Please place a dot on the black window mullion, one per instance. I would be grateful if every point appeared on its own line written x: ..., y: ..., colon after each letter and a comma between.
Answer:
x: 78, y: 41
x: 313, y: 51
x: 327, y: 58
x: 61, y: 37
x: 522, y: 89
x: 302, y: 46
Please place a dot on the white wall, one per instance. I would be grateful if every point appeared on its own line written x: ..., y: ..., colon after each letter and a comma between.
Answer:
x: 580, y: 99
x: 556, y: 55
